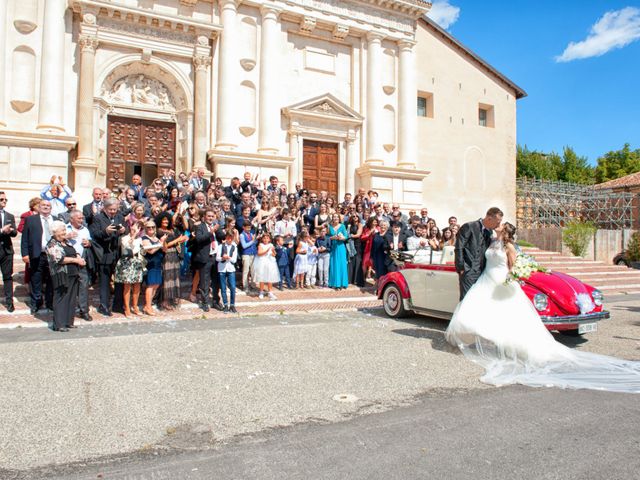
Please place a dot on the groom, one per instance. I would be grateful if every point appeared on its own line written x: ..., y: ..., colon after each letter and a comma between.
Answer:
x: 471, y: 244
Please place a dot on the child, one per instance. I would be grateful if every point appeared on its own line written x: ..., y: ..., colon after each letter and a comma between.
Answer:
x: 226, y: 256
x: 301, y: 265
x: 282, y: 260
x: 323, y: 243
x: 249, y: 244
x: 265, y: 269
x: 312, y: 262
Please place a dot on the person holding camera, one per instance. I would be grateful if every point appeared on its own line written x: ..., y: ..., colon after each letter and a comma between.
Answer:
x: 106, y: 229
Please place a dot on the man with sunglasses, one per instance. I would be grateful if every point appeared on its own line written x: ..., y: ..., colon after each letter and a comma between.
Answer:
x: 7, y: 232
x: 71, y: 204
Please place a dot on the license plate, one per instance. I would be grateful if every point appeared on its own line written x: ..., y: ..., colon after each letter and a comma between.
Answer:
x: 587, y: 328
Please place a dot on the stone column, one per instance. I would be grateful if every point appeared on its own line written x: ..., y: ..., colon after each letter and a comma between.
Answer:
x: 51, y: 106
x: 227, y: 125
x: 407, y: 107
x: 85, y: 164
x: 350, y: 166
x: 294, y: 169
x: 3, y: 41
x: 269, y: 122
x: 374, y: 103
x: 200, y: 145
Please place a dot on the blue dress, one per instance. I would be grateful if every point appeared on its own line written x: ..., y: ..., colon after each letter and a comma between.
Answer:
x: 154, y: 266
x: 338, y: 262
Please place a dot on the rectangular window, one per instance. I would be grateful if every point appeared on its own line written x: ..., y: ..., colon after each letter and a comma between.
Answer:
x: 425, y: 104
x: 486, y: 116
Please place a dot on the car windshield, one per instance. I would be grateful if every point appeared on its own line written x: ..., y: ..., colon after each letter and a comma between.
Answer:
x: 427, y: 256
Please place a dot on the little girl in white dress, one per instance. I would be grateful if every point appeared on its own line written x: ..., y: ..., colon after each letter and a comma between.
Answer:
x: 301, y: 265
x: 265, y: 269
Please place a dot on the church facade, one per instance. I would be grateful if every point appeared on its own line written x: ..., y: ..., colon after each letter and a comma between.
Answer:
x: 336, y: 94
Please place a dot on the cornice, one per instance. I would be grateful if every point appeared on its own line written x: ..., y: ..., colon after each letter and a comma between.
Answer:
x: 14, y: 138
x: 369, y: 170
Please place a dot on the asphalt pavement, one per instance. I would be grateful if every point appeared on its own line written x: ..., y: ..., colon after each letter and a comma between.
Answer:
x: 160, y: 399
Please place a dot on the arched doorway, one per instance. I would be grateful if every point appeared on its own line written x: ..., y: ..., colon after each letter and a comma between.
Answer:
x: 144, y: 124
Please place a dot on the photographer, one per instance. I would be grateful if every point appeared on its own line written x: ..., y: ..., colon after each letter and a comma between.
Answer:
x: 106, y: 229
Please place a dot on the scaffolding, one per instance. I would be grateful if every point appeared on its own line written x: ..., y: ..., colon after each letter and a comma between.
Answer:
x: 544, y: 203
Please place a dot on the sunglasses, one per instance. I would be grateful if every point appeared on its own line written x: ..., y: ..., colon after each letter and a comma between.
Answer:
x: 68, y: 204
x: 3, y: 199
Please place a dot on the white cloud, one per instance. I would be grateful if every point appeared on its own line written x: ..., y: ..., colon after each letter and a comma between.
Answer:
x: 615, y: 29
x: 443, y: 13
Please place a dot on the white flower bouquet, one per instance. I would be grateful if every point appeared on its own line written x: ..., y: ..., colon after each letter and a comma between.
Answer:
x: 523, y: 267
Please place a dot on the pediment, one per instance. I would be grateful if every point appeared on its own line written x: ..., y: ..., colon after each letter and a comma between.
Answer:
x: 326, y: 106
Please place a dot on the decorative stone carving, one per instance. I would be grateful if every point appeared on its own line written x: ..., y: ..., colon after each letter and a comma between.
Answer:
x: 307, y: 24
x: 140, y: 90
x: 248, y: 64
x: 340, y: 31
x: 202, y: 40
x: 188, y: 3
x: 324, y: 107
x: 88, y: 43
x: 89, y: 19
x: 24, y: 26
x: 201, y: 62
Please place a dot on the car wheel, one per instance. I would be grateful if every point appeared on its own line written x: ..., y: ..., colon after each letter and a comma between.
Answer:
x: 392, y: 302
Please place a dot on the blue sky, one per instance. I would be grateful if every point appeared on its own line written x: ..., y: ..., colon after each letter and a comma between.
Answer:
x: 586, y: 94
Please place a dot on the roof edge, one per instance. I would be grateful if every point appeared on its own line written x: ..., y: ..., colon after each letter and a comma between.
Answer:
x: 520, y: 93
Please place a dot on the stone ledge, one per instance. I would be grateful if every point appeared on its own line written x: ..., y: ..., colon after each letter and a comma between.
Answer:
x: 369, y: 170
x: 13, y: 138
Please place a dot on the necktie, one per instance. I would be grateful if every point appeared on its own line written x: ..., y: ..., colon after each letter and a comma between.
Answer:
x: 47, y: 229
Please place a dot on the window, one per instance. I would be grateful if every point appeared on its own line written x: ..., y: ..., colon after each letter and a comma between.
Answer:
x: 486, y: 115
x: 425, y: 104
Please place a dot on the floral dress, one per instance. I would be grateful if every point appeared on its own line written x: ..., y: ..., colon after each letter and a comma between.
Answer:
x: 129, y: 268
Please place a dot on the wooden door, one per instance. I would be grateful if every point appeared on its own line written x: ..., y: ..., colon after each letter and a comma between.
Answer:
x: 320, y: 166
x: 138, y: 146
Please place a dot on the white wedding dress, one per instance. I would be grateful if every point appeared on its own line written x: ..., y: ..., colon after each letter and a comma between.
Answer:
x: 497, y: 327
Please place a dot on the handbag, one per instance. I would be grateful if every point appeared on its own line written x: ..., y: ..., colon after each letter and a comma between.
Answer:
x: 351, y: 248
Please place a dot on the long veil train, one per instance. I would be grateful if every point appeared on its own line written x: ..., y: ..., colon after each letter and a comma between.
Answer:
x: 497, y: 327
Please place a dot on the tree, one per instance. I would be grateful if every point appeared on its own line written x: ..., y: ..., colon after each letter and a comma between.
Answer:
x: 576, y: 169
x: 618, y: 163
x: 533, y: 164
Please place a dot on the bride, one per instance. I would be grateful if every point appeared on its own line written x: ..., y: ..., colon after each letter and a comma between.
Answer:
x: 497, y: 327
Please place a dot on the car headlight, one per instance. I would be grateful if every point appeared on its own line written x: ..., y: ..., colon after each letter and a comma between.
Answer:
x: 597, y: 297
x: 540, y: 301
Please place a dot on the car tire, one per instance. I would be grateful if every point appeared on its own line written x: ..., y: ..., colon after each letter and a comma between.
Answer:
x: 392, y: 302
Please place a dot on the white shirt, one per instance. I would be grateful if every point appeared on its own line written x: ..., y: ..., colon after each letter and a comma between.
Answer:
x: 396, y: 240
x: 414, y: 243
x: 45, y: 229
x: 83, y: 234
x: 286, y: 228
x: 228, y: 265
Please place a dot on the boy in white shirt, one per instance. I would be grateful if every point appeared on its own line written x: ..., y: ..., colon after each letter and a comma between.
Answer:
x: 226, y: 256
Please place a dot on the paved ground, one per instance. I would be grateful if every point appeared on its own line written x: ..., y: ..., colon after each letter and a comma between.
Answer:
x: 157, y: 388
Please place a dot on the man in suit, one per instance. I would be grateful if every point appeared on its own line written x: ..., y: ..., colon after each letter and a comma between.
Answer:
x: 105, y: 230
x: 471, y: 244
x: 205, y: 242
x: 92, y: 209
x: 7, y: 232
x: 35, y: 236
x: 70, y: 203
x: 395, y: 240
x: 199, y: 182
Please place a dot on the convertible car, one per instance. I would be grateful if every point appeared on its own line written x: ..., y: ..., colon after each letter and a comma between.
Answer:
x: 426, y: 283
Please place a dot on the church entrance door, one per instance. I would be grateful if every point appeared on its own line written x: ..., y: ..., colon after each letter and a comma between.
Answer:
x: 139, y: 146
x: 320, y: 166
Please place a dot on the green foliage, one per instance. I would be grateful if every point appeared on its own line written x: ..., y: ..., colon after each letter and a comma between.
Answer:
x: 633, y: 249
x: 524, y: 243
x: 567, y: 168
x: 576, y: 235
x: 616, y: 164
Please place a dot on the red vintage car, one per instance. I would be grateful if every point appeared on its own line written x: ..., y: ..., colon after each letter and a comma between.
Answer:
x: 426, y: 283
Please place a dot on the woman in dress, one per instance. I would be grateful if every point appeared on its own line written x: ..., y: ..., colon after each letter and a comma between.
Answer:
x: 174, y: 201
x: 152, y: 246
x: 194, y: 214
x: 322, y: 218
x: 366, y: 240
x: 448, y: 240
x: 378, y: 254
x: 265, y: 269
x: 300, y: 264
x: 172, y: 245
x: 354, y: 229
x: 64, y: 262
x: 265, y: 217
x: 338, y: 262
x: 434, y: 238
x: 129, y: 269
x: 34, y: 205
x: 497, y: 327
x: 331, y: 205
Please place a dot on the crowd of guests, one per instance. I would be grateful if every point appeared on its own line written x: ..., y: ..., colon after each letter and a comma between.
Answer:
x: 145, y: 240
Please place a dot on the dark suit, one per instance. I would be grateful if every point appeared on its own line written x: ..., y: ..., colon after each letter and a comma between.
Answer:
x: 31, y: 246
x: 108, y: 246
x: 471, y: 244
x: 87, y: 211
x: 388, y: 248
x: 205, y: 262
x: 6, y: 255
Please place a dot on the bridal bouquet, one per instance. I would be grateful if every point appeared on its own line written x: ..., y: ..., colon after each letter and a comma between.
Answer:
x: 523, y: 267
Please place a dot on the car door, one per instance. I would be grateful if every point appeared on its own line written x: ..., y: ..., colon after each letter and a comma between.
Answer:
x: 433, y: 289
